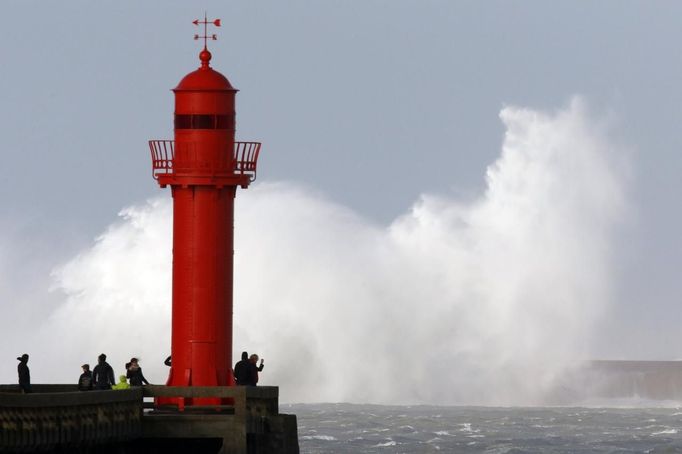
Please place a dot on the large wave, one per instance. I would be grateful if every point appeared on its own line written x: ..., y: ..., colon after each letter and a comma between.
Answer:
x: 484, y: 301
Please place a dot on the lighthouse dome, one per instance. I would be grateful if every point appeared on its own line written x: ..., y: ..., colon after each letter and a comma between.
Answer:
x: 204, y: 78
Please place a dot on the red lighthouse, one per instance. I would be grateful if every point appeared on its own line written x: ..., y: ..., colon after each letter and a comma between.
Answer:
x: 203, y: 166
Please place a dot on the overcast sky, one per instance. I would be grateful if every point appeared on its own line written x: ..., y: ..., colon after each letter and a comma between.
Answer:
x: 371, y: 103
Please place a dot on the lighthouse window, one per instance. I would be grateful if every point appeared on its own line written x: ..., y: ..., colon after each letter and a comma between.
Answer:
x: 204, y: 121
x: 224, y: 122
x: 183, y: 122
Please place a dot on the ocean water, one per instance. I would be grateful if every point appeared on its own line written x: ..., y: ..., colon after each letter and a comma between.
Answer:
x: 349, y: 428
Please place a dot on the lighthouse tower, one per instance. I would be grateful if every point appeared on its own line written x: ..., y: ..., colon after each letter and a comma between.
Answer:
x: 203, y: 167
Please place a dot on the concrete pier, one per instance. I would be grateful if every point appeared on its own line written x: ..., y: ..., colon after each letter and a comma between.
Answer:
x: 58, y: 418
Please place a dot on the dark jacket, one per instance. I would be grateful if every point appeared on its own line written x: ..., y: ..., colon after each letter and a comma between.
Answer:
x: 253, y: 373
x: 103, y: 376
x: 242, y: 375
x: 136, y: 377
x: 85, y: 381
x: 24, y: 377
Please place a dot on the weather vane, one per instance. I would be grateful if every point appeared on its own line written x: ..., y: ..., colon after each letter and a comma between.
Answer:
x: 206, y: 36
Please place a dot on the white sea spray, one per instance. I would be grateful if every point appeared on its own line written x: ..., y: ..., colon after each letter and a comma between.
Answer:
x: 479, y: 301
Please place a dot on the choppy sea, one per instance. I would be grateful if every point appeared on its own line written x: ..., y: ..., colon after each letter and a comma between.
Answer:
x: 350, y: 428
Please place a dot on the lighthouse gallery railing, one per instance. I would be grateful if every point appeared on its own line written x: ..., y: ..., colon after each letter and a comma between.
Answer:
x: 245, y: 157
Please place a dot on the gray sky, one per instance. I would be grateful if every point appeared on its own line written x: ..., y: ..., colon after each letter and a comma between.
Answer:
x: 372, y: 103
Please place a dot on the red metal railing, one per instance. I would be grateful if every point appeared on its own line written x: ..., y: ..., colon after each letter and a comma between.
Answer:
x: 245, y: 157
x: 162, y: 156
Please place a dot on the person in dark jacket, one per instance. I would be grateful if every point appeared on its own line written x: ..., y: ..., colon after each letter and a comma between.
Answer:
x: 134, y: 373
x: 85, y: 380
x: 242, y: 376
x: 253, y: 369
x: 24, y: 374
x: 103, y: 374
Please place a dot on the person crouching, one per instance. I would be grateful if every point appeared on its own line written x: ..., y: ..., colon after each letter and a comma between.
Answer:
x: 122, y: 384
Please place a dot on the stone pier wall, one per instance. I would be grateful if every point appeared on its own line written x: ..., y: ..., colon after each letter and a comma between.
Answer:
x: 59, y: 418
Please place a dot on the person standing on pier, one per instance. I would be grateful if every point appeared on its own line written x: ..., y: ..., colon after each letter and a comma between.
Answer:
x: 103, y: 374
x: 85, y: 380
x: 253, y: 369
x: 134, y: 373
x: 24, y: 374
x: 242, y: 374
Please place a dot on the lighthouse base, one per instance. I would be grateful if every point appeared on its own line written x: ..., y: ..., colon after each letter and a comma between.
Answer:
x: 217, y: 433
x: 251, y: 423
